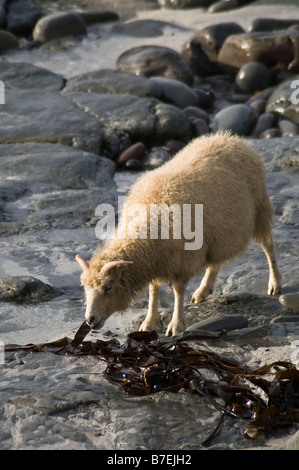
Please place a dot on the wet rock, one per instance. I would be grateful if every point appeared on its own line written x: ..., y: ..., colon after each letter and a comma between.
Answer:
x: 27, y: 76
x: 271, y: 24
x: 238, y: 118
x: 205, y: 97
x: 270, y: 133
x: 253, y: 77
x: 114, y: 81
x: 265, y: 122
x: 201, y: 51
x: 176, y: 92
x: 26, y: 289
x: 196, y: 113
x: 90, y: 17
x: 288, y: 128
x: 144, y: 119
x: 272, y: 49
x: 223, y: 5
x: 23, y: 118
x: 133, y: 165
x: 43, y: 163
x: 258, y: 106
x: 151, y: 61
x: 7, y: 41
x: 184, y: 3
x: 199, y: 127
x: 58, y: 25
x: 284, y: 100
x: 22, y: 17
x: 135, y: 152
x: 290, y: 301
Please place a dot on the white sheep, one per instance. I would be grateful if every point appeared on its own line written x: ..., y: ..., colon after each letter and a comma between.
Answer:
x: 224, y: 174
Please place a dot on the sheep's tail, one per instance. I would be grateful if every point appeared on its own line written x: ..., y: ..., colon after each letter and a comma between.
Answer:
x: 263, y: 219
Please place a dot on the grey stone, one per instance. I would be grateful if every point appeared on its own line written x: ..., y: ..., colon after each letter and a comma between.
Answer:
x: 238, y: 118
x: 184, y: 3
x: 221, y: 323
x: 26, y: 289
x: 223, y: 5
x: 96, y: 16
x: 151, y: 61
x: 288, y: 128
x: 142, y: 28
x: 176, y: 92
x: 22, y: 17
x: 271, y: 24
x: 55, y: 165
x: 270, y: 133
x: 47, y: 116
x: 58, y: 25
x: 114, y: 81
x: 27, y: 76
x: 265, y: 121
x: 144, y: 119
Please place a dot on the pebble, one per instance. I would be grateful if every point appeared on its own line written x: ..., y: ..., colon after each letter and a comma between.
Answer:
x: 265, y: 122
x: 221, y: 322
x: 205, y: 98
x: 199, y: 127
x: 183, y: 3
x: 270, y: 133
x: 151, y: 61
x: 288, y: 128
x: 134, y: 152
x: 253, y: 77
x: 196, y: 113
x: 58, y: 25
x: 223, y: 5
x: 271, y: 24
x: 90, y: 17
x: 177, y: 92
x: 290, y: 301
x: 258, y: 106
x: 7, y: 41
x: 133, y: 165
x: 238, y: 118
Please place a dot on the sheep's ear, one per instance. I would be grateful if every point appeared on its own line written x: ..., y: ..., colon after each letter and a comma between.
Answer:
x: 115, y: 268
x: 82, y: 263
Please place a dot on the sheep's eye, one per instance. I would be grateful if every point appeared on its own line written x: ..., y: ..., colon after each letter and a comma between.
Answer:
x: 107, y: 287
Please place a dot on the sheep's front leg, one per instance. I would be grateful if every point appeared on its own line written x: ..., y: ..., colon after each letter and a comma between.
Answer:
x: 206, y: 286
x: 177, y: 324
x: 274, y: 284
x: 151, y: 318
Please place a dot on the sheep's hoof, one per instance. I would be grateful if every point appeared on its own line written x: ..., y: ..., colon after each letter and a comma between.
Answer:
x: 146, y: 327
x: 175, y: 328
x: 274, y: 287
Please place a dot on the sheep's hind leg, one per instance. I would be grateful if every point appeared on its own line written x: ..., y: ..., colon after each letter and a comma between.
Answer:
x: 206, y: 286
x: 274, y: 284
x: 177, y: 324
x: 151, y: 318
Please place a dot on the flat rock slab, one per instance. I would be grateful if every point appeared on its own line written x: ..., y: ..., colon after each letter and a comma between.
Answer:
x: 47, y: 116
x: 114, y: 81
x: 26, y: 76
x: 26, y: 289
x: 144, y: 119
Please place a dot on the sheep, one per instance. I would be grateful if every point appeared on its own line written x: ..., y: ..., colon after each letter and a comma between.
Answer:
x: 223, y: 173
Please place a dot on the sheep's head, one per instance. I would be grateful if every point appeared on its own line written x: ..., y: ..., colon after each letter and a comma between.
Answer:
x: 104, y: 290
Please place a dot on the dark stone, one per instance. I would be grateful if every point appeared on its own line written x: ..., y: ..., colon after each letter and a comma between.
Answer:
x: 270, y: 133
x: 151, y: 61
x: 288, y: 128
x: 196, y: 113
x: 26, y: 289
x: 22, y: 17
x: 114, y: 81
x: 205, y: 98
x: 238, y: 118
x: 201, y: 51
x: 199, y: 127
x: 90, y: 17
x: 133, y: 165
x: 253, y: 77
x: 58, y: 25
x: 265, y: 121
x: 176, y: 92
x: 134, y: 152
x: 184, y: 3
x: 223, y: 5
x: 7, y: 41
x: 272, y: 49
x: 271, y: 24
x: 258, y: 106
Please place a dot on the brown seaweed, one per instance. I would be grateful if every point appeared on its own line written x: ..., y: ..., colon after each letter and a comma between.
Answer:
x: 266, y: 398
